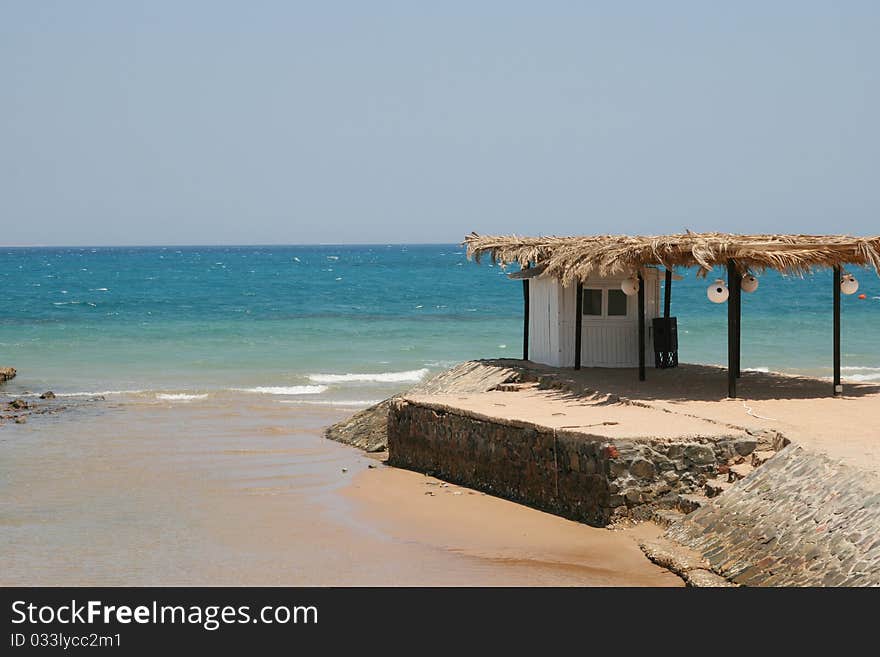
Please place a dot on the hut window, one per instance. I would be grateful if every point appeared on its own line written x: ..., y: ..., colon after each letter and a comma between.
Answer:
x: 616, y: 303
x: 593, y: 302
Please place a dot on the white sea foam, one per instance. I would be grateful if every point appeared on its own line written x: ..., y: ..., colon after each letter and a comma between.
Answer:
x: 180, y: 397
x: 756, y: 369
x: 383, y: 377
x: 444, y: 364
x: 332, y: 402
x: 863, y: 377
x: 285, y: 390
x: 101, y: 393
x: 865, y: 373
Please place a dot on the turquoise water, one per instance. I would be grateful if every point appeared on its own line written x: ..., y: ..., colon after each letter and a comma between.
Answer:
x: 344, y: 323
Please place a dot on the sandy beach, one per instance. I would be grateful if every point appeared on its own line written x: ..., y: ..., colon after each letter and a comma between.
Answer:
x: 229, y: 491
x: 425, y: 510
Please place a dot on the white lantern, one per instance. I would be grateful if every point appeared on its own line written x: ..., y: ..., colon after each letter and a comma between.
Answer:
x: 749, y: 283
x: 849, y: 284
x: 630, y: 286
x: 718, y: 292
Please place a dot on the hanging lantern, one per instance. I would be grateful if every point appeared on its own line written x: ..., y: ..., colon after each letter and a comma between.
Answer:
x: 849, y: 284
x: 630, y: 286
x: 749, y: 283
x: 718, y: 292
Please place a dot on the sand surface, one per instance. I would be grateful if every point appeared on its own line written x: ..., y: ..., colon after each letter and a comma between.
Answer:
x: 246, y: 491
x: 692, y: 400
x: 415, y: 508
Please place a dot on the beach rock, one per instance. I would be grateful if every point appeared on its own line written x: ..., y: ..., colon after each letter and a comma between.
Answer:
x: 642, y: 468
x: 48, y: 395
x: 366, y: 429
x: 699, y: 454
x: 745, y: 446
x: 18, y: 404
x: 7, y: 373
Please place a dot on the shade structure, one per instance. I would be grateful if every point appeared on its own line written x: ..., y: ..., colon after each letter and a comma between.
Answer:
x: 575, y: 259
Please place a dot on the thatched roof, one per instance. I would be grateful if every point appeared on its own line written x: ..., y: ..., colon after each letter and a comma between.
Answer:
x: 577, y: 258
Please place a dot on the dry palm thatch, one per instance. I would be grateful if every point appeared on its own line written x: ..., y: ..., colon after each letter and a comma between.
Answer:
x: 577, y: 258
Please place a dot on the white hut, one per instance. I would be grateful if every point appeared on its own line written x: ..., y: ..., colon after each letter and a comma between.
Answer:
x: 602, y: 322
x: 609, y: 325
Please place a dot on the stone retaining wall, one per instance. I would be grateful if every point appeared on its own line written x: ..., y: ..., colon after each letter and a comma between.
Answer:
x: 800, y: 519
x: 578, y: 475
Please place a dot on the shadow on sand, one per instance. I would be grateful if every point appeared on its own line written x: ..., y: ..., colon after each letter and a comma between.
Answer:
x: 685, y: 383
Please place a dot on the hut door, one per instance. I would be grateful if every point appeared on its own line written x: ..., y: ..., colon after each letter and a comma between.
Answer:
x: 609, y: 328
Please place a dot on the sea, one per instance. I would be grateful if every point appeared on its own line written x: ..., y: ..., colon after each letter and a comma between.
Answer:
x: 185, y: 445
x: 344, y: 325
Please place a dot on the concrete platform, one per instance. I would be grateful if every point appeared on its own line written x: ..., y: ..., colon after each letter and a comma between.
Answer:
x: 801, y: 409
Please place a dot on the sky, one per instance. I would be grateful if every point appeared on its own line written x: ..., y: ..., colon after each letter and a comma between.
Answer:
x: 190, y: 122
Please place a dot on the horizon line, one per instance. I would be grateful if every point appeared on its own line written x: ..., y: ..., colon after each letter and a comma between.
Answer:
x: 216, y: 245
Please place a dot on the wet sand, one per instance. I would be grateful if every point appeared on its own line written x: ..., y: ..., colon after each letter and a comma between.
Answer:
x: 243, y: 490
x: 424, y: 510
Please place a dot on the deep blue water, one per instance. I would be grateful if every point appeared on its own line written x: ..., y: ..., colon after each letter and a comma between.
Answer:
x: 346, y: 322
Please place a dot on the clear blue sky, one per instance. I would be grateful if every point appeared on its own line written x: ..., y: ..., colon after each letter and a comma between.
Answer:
x: 280, y: 122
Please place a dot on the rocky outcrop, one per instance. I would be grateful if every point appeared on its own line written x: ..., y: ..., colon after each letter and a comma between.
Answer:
x: 7, y: 373
x: 368, y: 429
x: 687, y: 564
x: 19, y: 410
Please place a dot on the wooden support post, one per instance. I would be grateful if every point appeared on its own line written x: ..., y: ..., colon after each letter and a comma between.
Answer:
x: 525, y: 320
x: 838, y: 388
x: 667, y: 294
x: 731, y: 330
x: 736, y: 291
x: 641, y: 328
x: 578, y: 325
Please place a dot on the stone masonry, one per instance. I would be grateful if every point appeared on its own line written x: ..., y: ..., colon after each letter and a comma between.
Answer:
x: 800, y: 519
x: 578, y: 475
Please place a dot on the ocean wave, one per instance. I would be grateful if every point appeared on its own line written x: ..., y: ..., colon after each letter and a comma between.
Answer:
x: 863, y: 377
x: 412, y: 376
x: 285, y: 390
x: 332, y: 402
x: 102, y: 393
x: 180, y: 396
x: 763, y: 370
x: 859, y: 368
x: 444, y: 364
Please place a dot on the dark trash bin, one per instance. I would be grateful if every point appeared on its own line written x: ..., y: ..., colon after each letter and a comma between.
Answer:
x: 665, y: 342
